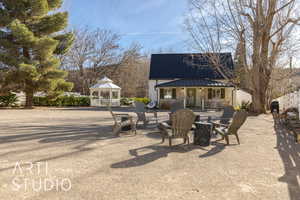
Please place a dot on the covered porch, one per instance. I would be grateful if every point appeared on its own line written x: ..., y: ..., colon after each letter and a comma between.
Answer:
x: 204, y: 94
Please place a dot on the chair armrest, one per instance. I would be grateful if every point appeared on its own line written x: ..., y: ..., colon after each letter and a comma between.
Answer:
x: 163, y: 128
x: 216, y: 124
x: 124, y: 115
x: 220, y: 131
x: 220, y: 118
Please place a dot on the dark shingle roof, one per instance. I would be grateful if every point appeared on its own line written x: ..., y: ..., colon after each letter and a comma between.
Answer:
x: 188, y: 66
x: 194, y: 83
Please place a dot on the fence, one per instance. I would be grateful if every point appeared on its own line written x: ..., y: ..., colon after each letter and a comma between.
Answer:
x: 289, y: 100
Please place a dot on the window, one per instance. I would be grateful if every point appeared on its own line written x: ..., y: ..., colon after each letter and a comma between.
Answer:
x: 167, y: 93
x: 210, y: 95
x: 218, y: 93
x: 222, y: 93
x: 115, y: 95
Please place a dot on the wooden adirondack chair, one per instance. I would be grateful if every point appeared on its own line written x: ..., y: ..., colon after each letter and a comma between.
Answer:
x: 119, y: 123
x: 141, y: 111
x: 227, y: 115
x: 238, y: 120
x: 182, y: 121
x: 177, y: 105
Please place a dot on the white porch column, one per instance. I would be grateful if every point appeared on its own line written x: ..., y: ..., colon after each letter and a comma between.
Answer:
x: 119, y: 97
x: 91, y: 96
x: 110, y: 97
x: 298, y: 101
x: 234, y: 102
x: 184, y: 97
x: 158, y: 96
x: 99, y: 97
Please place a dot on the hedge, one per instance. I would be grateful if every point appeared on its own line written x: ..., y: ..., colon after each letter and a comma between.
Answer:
x: 62, y: 101
x: 129, y: 101
x: 8, y: 100
x: 143, y: 100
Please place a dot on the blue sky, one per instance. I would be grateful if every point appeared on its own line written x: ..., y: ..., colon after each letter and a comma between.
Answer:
x: 153, y: 23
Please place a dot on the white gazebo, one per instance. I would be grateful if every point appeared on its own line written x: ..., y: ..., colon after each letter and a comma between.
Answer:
x: 105, y: 93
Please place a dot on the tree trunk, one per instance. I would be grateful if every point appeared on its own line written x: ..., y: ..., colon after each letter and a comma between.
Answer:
x: 29, y: 99
x: 260, y: 92
x: 260, y: 85
x: 258, y: 101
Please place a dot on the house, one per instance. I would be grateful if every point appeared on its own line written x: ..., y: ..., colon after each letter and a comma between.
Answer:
x: 191, y: 78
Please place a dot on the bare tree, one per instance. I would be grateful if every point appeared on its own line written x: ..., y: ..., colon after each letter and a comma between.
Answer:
x: 132, y: 72
x: 98, y: 53
x: 91, y: 51
x: 135, y: 72
x: 260, y: 32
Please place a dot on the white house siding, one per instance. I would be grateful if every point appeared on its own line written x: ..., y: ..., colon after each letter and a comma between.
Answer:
x: 21, y: 98
x: 228, y: 95
x: 152, y: 91
x: 198, y: 97
x: 242, y: 96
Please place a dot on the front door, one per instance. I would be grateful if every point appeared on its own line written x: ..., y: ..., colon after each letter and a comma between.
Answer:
x: 191, y: 97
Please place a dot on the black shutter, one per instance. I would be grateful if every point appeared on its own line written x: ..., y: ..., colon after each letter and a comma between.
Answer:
x: 209, y: 93
x: 161, y: 94
x: 173, y: 93
x: 222, y: 93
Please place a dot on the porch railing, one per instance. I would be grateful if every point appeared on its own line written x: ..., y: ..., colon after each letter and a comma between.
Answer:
x: 203, y: 104
x: 215, y: 104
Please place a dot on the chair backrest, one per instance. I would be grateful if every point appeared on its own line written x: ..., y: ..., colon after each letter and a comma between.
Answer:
x: 177, y: 105
x: 139, y: 107
x: 238, y: 120
x: 182, y: 122
x: 227, y: 115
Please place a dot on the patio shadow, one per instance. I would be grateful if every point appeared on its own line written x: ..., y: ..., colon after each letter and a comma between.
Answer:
x: 289, y: 152
x: 79, y: 138
x: 217, y: 148
x: 157, y: 153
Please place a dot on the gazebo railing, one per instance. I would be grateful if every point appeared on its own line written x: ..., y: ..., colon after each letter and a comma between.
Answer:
x: 105, y: 102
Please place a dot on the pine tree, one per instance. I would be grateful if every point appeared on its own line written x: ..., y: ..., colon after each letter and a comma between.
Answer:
x: 31, y: 40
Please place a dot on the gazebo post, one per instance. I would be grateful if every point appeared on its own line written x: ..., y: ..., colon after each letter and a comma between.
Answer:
x: 119, y: 97
x: 99, y: 95
x: 110, y: 97
x: 91, y: 95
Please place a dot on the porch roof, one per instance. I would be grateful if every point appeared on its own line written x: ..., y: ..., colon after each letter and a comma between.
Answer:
x: 194, y: 83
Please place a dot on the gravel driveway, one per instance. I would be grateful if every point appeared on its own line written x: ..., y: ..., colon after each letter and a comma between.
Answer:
x: 71, y: 154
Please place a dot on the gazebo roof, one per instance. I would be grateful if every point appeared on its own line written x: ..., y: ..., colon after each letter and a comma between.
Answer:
x: 105, y: 86
x: 105, y: 80
x: 105, y: 83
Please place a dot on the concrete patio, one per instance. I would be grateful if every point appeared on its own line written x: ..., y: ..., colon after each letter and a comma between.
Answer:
x: 76, y: 144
